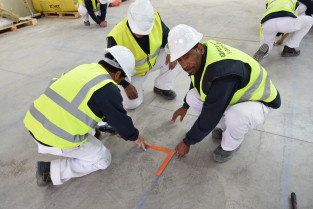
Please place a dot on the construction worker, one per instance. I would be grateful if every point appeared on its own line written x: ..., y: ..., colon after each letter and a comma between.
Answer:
x: 281, y: 17
x: 229, y: 90
x: 62, y: 117
x: 86, y: 7
x: 305, y: 8
x: 145, y: 34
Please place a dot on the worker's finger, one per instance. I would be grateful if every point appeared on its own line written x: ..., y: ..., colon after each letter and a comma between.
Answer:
x: 147, y: 143
x: 167, y: 60
x: 174, y: 117
x: 182, y: 118
x: 143, y: 146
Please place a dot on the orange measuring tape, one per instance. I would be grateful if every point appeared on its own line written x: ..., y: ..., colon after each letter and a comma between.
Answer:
x: 166, y: 161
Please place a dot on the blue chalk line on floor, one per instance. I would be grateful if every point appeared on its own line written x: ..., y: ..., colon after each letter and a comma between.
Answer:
x: 291, y: 123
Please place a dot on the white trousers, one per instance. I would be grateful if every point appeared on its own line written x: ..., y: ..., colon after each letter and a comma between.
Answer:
x: 84, y: 12
x: 164, y: 81
x: 90, y: 156
x: 299, y: 26
x: 237, y: 119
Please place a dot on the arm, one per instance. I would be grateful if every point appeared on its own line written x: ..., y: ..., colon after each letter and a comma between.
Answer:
x: 281, y: 39
x: 92, y: 14
x: 103, y: 9
x: 213, y: 109
x: 166, y: 30
x: 107, y: 101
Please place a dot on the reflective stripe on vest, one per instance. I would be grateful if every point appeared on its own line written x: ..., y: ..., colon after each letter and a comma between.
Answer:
x: 124, y: 37
x: 54, y: 129
x: 72, y: 108
x: 143, y: 61
x: 252, y: 89
x: 259, y: 88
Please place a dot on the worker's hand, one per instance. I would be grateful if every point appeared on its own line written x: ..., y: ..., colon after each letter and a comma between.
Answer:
x: 103, y: 24
x: 180, y: 112
x: 279, y: 42
x: 131, y: 92
x: 182, y: 149
x: 172, y: 64
x: 141, y: 142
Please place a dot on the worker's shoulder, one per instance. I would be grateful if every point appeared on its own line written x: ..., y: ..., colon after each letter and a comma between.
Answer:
x: 119, y: 27
x: 109, y: 91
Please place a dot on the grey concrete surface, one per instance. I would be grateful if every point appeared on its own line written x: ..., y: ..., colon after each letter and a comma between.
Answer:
x: 274, y: 160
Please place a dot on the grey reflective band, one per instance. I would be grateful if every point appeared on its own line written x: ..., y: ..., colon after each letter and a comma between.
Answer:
x: 267, y: 89
x: 70, y: 107
x: 54, y: 129
x: 111, y: 62
x: 143, y: 61
x: 79, y: 98
x: 266, y: 93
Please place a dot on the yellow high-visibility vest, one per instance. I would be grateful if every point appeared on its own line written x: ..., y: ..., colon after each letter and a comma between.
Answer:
x: 95, y: 4
x: 259, y: 88
x: 124, y: 37
x: 60, y: 117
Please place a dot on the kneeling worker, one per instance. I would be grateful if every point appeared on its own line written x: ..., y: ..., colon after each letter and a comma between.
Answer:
x: 145, y: 34
x: 229, y: 90
x: 86, y: 7
x: 281, y: 17
x: 62, y: 117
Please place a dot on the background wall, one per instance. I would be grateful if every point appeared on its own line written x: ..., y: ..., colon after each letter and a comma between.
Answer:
x: 18, y: 7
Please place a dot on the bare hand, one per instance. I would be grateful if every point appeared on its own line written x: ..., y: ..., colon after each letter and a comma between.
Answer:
x: 131, y: 92
x: 103, y: 24
x: 280, y: 41
x: 171, y: 64
x: 141, y: 142
x: 180, y: 112
x: 182, y: 149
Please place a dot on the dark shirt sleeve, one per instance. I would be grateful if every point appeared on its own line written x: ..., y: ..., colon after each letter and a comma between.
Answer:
x: 111, y: 42
x: 215, y: 104
x: 107, y: 101
x: 165, y: 30
x: 124, y: 83
x: 103, y: 9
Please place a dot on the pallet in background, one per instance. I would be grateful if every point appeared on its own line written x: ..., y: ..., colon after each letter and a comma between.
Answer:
x: 62, y: 14
x: 17, y: 26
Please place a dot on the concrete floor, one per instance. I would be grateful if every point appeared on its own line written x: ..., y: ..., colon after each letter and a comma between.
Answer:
x: 274, y: 160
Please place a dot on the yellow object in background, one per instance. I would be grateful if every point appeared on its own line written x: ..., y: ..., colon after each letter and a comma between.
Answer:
x: 55, y: 5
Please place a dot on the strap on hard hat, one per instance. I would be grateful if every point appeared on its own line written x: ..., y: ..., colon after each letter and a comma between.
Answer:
x: 111, y: 62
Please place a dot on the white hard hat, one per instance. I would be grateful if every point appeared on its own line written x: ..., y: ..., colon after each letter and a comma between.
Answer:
x: 181, y: 39
x: 103, y: 1
x: 141, y: 17
x: 125, y: 59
